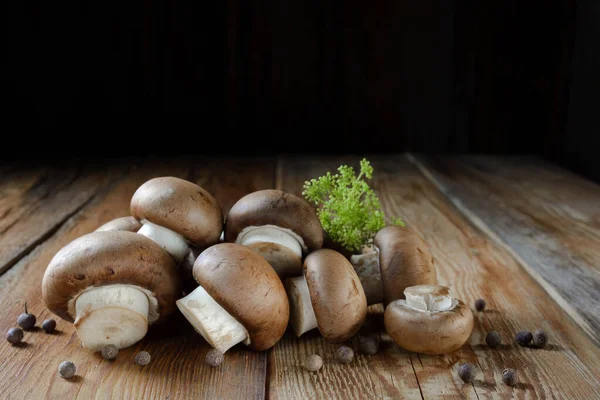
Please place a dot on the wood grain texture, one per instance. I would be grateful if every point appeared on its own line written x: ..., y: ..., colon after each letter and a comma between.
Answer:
x: 473, y: 267
x: 547, y: 218
x: 177, y: 370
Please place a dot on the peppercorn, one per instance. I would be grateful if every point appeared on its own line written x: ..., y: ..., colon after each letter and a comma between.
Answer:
x: 214, y: 358
x: 142, y: 358
x: 314, y: 363
x: 368, y: 344
x: 540, y: 339
x: 49, y: 325
x: 467, y: 372
x: 110, y: 352
x: 509, y: 376
x: 67, y: 369
x: 344, y: 354
x: 14, y: 335
x: 493, y: 339
x: 26, y: 320
x: 480, y: 304
x: 523, y: 338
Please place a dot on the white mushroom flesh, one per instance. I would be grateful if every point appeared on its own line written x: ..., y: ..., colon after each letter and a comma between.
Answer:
x: 172, y: 242
x: 428, y: 298
x: 367, y: 268
x: 112, y: 314
x: 302, y: 314
x: 272, y: 234
x: 210, y: 320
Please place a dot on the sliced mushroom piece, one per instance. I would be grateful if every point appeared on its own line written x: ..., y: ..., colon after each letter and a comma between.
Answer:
x: 429, y: 321
x: 279, y: 226
x: 399, y: 259
x: 328, y: 296
x: 240, y: 299
x: 128, y: 224
x: 176, y: 213
x: 112, y: 285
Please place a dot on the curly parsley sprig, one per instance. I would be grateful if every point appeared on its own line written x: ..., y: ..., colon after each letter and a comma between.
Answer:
x: 349, y: 210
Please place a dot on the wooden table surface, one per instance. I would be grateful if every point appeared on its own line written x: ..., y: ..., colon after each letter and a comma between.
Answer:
x: 520, y: 233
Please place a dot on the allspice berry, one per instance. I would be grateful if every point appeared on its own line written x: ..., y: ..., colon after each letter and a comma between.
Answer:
x: 344, y: 355
x: 67, y: 369
x: 493, y: 339
x: 313, y: 363
x: 214, y: 358
x: 480, y: 304
x: 26, y: 320
x: 540, y: 339
x: 509, y: 376
x: 14, y: 335
x: 523, y: 338
x: 110, y: 352
x: 49, y: 325
x: 467, y: 372
x: 368, y: 344
x: 142, y: 358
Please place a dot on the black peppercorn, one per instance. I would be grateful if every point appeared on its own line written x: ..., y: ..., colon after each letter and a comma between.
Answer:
x: 509, y: 376
x: 467, y: 372
x: 344, y: 354
x: 49, y: 325
x: 14, y: 335
x: 480, y: 304
x: 493, y: 339
x: 110, y: 352
x: 214, y: 358
x: 67, y: 369
x: 26, y: 320
x: 540, y: 339
x: 523, y: 338
x: 142, y: 358
x: 368, y: 344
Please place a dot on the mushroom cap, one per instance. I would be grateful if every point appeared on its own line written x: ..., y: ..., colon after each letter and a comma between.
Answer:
x: 425, y: 332
x: 336, y: 294
x: 246, y: 286
x: 181, y: 206
x: 104, y: 258
x: 404, y: 261
x: 129, y: 224
x: 275, y: 207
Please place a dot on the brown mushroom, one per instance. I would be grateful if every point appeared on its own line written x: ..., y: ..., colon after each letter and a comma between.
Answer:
x: 399, y: 259
x: 279, y: 226
x: 328, y: 296
x: 429, y: 321
x: 240, y: 298
x: 112, y: 285
x: 176, y: 213
x: 128, y: 224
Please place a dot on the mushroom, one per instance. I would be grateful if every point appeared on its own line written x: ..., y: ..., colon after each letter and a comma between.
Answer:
x: 111, y: 285
x: 328, y: 296
x: 280, y: 226
x: 175, y: 213
x: 398, y: 259
x: 240, y: 298
x: 129, y: 224
x: 429, y: 321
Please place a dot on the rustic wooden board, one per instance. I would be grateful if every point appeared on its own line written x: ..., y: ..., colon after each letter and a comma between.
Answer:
x: 177, y: 370
x: 473, y: 267
x: 547, y: 218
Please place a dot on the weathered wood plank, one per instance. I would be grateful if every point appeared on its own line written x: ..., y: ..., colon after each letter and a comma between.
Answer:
x: 177, y: 370
x: 473, y: 267
x: 547, y: 218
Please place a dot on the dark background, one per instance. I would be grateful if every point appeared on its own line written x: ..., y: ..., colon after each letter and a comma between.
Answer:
x: 98, y: 79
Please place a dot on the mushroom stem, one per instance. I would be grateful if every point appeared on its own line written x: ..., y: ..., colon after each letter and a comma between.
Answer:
x: 211, y: 320
x: 302, y: 314
x: 173, y: 243
x: 367, y: 268
x: 112, y: 314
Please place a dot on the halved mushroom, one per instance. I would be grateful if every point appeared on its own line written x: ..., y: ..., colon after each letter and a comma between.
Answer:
x: 328, y: 296
x: 111, y: 285
x: 239, y: 299
x: 429, y: 321
x: 398, y: 259
x: 279, y: 226
x: 176, y: 213
x: 128, y: 224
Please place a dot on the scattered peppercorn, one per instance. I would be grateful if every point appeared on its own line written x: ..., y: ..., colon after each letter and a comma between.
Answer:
x: 49, y: 325
x: 523, y: 338
x: 480, y: 304
x: 368, y: 344
x: 467, y: 372
x: 214, y: 358
x: 314, y: 363
x: 509, y: 376
x: 493, y: 339
x: 110, y: 352
x: 142, y: 358
x: 67, y: 369
x: 26, y: 320
x: 540, y: 339
x: 344, y: 354
x: 14, y: 335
